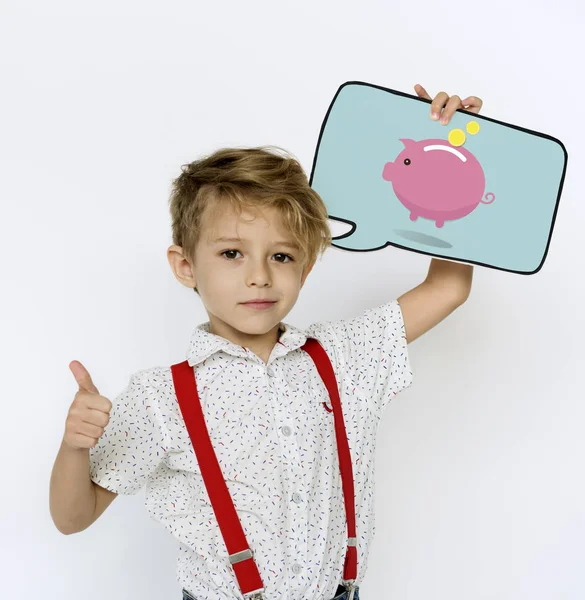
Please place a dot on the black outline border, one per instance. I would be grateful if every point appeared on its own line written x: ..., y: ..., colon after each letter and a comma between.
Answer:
x: 477, y: 116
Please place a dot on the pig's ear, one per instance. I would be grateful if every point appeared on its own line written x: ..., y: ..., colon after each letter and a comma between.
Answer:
x: 407, y: 142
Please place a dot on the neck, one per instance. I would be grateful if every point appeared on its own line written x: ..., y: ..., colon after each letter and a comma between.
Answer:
x: 261, y: 345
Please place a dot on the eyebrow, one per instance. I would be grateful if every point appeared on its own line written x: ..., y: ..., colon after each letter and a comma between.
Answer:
x: 240, y: 240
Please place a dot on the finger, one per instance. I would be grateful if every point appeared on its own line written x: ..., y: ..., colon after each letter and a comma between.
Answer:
x: 90, y: 429
x: 84, y: 441
x: 452, y: 105
x: 472, y: 104
x: 438, y: 103
x: 421, y: 92
x: 82, y: 377
x: 96, y: 404
x: 97, y: 415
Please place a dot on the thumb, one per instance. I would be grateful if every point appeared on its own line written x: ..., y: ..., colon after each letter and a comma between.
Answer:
x: 82, y: 377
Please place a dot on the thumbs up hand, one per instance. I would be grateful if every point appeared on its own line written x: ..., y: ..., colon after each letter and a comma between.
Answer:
x: 88, y: 414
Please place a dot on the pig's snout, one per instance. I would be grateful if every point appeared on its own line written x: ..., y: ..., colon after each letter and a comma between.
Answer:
x: 388, y: 170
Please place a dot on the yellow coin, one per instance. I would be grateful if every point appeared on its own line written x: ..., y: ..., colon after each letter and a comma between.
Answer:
x: 457, y: 137
x: 472, y: 127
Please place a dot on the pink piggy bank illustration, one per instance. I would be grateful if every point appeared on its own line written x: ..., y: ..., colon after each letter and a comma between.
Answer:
x: 436, y: 180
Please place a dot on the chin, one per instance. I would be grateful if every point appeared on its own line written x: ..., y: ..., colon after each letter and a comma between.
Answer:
x: 255, y: 328
x: 249, y: 321
x: 255, y: 324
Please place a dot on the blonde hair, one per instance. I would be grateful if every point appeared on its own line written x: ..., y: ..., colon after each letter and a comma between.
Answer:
x: 249, y: 177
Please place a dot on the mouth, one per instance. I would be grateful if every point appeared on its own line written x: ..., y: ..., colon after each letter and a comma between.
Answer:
x: 260, y: 304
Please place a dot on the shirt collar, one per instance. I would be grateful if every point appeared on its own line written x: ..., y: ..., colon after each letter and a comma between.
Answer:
x: 203, y: 344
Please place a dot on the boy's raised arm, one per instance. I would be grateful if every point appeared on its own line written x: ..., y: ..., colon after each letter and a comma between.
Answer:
x: 445, y: 288
x: 448, y: 284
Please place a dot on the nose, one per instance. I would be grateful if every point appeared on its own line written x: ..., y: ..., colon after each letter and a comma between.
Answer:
x: 258, y: 273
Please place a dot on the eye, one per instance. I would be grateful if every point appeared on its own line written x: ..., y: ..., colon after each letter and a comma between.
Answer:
x: 286, y: 256
x: 407, y: 161
x: 229, y: 255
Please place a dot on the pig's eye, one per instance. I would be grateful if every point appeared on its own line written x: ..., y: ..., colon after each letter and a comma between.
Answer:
x: 407, y: 161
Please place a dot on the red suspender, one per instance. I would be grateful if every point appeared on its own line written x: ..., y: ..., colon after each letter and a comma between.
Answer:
x: 323, y: 364
x: 241, y: 556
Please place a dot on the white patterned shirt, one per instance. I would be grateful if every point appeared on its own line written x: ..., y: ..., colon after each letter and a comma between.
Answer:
x: 275, y: 443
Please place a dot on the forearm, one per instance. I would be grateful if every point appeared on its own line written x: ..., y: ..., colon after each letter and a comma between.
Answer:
x: 72, y: 494
x: 452, y: 276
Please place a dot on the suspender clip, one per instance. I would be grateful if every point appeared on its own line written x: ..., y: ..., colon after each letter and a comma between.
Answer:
x: 255, y: 595
x: 350, y: 587
x: 240, y: 556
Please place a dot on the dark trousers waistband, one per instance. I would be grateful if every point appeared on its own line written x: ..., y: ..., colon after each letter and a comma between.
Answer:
x: 340, y: 594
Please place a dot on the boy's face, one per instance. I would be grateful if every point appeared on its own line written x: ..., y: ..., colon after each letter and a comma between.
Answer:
x: 244, y: 258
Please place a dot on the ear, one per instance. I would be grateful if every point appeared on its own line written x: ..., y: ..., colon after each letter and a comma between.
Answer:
x: 181, y: 266
x: 306, y: 272
x: 407, y: 142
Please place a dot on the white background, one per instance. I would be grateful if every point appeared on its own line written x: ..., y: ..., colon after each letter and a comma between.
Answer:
x: 480, y: 490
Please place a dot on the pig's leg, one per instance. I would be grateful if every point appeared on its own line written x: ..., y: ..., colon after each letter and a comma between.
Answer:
x: 413, y: 216
x: 439, y: 223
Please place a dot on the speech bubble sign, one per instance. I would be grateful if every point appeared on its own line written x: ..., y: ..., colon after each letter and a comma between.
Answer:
x: 477, y: 190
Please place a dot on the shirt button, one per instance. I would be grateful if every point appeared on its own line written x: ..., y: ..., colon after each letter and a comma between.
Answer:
x: 286, y: 430
x: 271, y: 372
x: 297, y: 498
x: 297, y: 568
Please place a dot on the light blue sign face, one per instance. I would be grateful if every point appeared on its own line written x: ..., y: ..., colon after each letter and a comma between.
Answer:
x: 476, y: 190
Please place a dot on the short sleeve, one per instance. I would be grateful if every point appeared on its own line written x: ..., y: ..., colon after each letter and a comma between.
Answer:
x: 134, y: 441
x: 370, y: 350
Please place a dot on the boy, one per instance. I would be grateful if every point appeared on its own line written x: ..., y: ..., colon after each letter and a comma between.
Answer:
x: 247, y: 230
